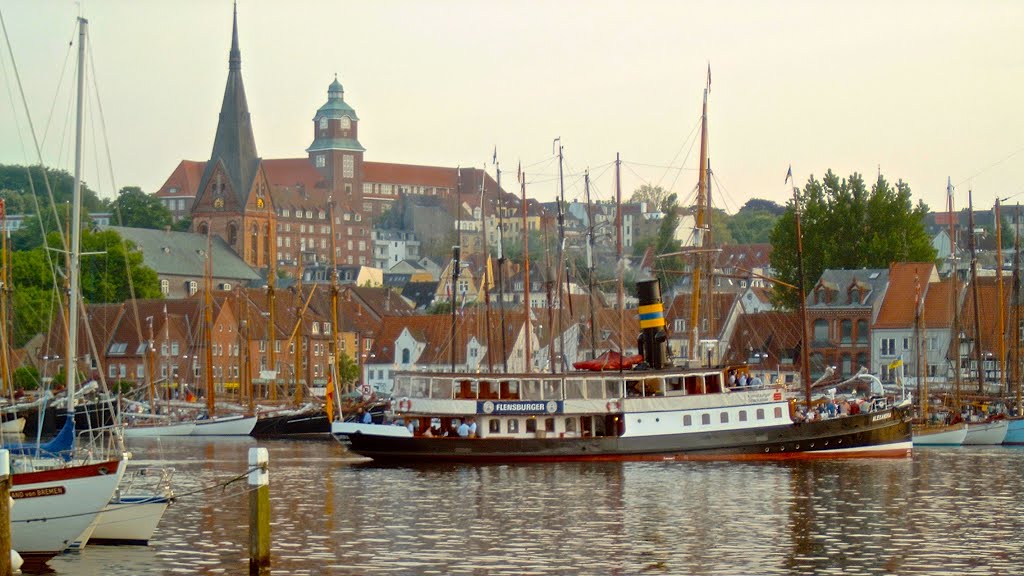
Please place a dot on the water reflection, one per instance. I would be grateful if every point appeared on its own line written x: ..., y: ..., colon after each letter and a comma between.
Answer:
x: 946, y: 510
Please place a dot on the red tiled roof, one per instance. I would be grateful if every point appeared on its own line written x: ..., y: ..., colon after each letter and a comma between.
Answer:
x: 907, y: 282
x: 938, y: 308
x: 388, y: 173
x: 988, y: 317
x: 185, y: 178
x: 292, y: 172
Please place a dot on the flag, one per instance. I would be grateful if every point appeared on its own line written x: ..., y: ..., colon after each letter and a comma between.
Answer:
x: 519, y: 173
x: 329, y: 406
x: 789, y: 175
x: 494, y: 159
x: 896, y: 363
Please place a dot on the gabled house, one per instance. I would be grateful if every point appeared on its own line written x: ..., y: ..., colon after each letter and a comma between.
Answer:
x: 841, y: 308
x: 901, y: 322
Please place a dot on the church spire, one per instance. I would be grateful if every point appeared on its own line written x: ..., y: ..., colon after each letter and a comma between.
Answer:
x: 234, y: 145
x: 235, y: 58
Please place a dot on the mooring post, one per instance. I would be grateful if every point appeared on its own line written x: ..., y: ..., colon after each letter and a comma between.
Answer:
x: 5, y: 513
x: 259, y: 510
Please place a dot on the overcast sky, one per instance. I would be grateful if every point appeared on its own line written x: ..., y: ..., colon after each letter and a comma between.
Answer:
x: 919, y: 90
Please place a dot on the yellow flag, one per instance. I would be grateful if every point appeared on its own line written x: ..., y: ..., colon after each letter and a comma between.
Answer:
x: 896, y: 363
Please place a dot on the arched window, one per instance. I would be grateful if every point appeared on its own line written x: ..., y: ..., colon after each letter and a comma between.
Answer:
x: 405, y: 355
x: 232, y: 233
x: 203, y: 228
x: 165, y: 287
x: 862, y: 332
x: 821, y: 330
x: 254, y: 248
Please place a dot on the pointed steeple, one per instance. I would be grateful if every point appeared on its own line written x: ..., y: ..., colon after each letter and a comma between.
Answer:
x: 234, y: 145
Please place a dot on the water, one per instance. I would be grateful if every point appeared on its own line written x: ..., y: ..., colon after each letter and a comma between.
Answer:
x: 945, y: 510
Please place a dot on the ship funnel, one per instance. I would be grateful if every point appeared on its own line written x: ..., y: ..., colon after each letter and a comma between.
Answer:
x: 652, y: 340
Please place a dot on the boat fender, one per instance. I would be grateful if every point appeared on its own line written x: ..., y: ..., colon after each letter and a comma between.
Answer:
x: 404, y: 405
x: 612, y: 406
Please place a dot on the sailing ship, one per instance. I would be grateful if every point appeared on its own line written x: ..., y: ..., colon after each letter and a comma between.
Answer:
x: 57, y: 499
x: 654, y: 412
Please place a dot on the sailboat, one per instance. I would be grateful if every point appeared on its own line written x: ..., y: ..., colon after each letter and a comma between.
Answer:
x: 55, y: 505
x: 658, y: 412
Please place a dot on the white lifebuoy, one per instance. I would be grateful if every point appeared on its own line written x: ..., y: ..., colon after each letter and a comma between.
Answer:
x: 404, y: 405
x: 612, y: 405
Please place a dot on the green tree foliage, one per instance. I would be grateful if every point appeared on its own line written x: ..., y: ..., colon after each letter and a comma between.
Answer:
x: 26, y: 378
x: 183, y: 225
x: 652, y: 195
x: 24, y: 191
x: 668, y: 269
x: 105, y: 276
x: 133, y: 208
x: 847, y: 226
x: 348, y: 371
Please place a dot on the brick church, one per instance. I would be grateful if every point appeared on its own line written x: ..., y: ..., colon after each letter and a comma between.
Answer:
x: 280, y: 212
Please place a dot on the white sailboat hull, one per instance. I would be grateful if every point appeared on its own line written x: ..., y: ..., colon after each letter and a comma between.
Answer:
x: 944, y: 436
x: 986, y: 433
x: 146, y: 431
x: 53, y: 508
x: 15, y: 426
x: 225, y: 426
x: 129, y: 520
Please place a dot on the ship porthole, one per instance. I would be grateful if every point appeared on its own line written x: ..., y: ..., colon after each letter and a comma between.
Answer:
x: 840, y: 441
x: 812, y: 445
x: 657, y: 419
x: 797, y: 447
x: 782, y: 449
x: 767, y: 450
x: 103, y: 470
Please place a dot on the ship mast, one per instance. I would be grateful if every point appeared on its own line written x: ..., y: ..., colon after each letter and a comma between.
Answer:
x: 560, y: 258
x: 999, y: 298
x: 526, y: 274
x: 974, y: 292
x: 71, y: 370
x: 590, y: 263
x: 1016, y: 310
x: 954, y: 297
x: 487, y: 271
x: 211, y: 405
x: 501, y: 260
x: 805, y: 352
x: 272, y: 326
x: 620, y: 290
x: 699, y: 225
x: 335, y: 318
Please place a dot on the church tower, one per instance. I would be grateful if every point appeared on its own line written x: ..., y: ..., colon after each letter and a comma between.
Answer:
x: 337, y: 154
x: 233, y: 200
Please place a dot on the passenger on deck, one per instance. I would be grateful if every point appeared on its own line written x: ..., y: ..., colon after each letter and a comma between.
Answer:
x: 756, y: 381
x: 831, y: 408
x: 463, y: 430
x: 844, y: 408
x: 366, y: 418
x: 854, y: 408
x: 472, y: 427
x: 427, y: 433
x: 743, y: 380
x: 732, y: 379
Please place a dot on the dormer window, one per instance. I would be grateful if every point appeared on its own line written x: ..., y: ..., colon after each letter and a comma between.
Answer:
x: 855, y: 295
x: 316, y: 327
x: 346, y: 123
x: 323, y: 123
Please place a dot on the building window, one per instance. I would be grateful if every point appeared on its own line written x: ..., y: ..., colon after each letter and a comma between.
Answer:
x: 820, y: 331
x: 320, y: 161
x: 165, y: 287
x: 323, y: 123
x: 513, y: 426
x: 348, y: 166
x: 888, y: 347
x: 846, y: 332
x: 193, y: 287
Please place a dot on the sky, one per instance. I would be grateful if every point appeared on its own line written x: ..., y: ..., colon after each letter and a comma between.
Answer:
x: 917, y: 90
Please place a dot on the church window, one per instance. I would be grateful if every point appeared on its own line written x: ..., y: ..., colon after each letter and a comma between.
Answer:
x: 323, y: 123
x: 165, y: 287
x: 232, y: 234
x: 348, y: 166
x: 321, y: 161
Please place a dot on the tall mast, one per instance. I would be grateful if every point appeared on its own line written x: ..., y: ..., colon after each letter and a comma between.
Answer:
x: 299, y: 361
x: 954, y: 296
x: 974, y: 292
x: 487, y: 271
x: 805, y: 352
x: 211, y: 404
x: 922, y: 383
x: 70, y: 371
x: 335, y: 297
x: 5, y: 284
x: 620, y: 292
x: 999, y: 297
x: 1016, y: 310
x: 590, y: 263
x: 699, y: 225
x: 560, y: 253
x: 501, y: 260
x: 548, y: 284
x: 456, y: 262
x: 526, y: 275
x: 271, y: 324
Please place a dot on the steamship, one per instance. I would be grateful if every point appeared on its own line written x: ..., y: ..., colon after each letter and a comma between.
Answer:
x: 652, y: 412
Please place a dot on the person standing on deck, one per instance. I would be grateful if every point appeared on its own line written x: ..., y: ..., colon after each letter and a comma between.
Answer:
x: 463, y: 430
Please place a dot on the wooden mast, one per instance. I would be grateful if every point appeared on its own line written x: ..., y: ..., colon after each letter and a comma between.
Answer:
x: 501, y: 260
x: 699, y: 225
x: 5, y: 283
x: 590, y: 264
x: 999, y: 298
x: 487, y: 271
x: 560, y: 260
x: 974, y: 293
x: 526, y: 275
x: 1016, y: 310
x: 805, y: 346
x: 922, y: 382
x: 272, y: 326
x: 211, y: 405
x: 456, y: 264
x: 954, y: 297
x: 620, y: 265
x: 335, y: 318
x: 297, y: 333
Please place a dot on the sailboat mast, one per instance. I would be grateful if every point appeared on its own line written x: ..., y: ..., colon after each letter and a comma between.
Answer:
x: 71, y: 369
x: 954, y: 296
x: 211, y: 403
x: 272, y: 326
x: 922, y: 383
x: 999, y: 298
x: 335, y: 318
x: 805, y: 352
x: 590, y: 263
x: 487, y: 270
x: 1016, y: 310
x: 456, y: 262
x: 299, y: 360
x: 501, y: 260
x: 620, y: 290
x: 560, y: 254
x: 5, y: 278
x: 526, y: 275
x: 698, y: 228
x: 974, y: 292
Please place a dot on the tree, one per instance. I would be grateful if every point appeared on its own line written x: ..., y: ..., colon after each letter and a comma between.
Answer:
x: 761, y: 205
x: 26, y: 378
x: 652, y: 195
x: 348, y: 371
x: 136, y: 209
x: 846, y: 226
x: 105, y: 277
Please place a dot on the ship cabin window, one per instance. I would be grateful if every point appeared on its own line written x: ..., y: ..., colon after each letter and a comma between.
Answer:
x: 674, y: 385
x: 488, y: 390
x: 549, y: 424
x: 760, y: 413
x: 509, y: 391
x: 575, y: 389
x: 687, y: 420
x: 570, y: 425
x: 595, y: 389
x: 724, y: 417
x: 694, y: 385
x: 494, y: 426
x: 513, y: 426
x: 531, y: 425
x: 531, y: 390
x: 743, y: 415
x: 613, y: 388
x: 713, y: 383
x: 705, y: 419
x: 552, y: 389
x: 465, y: 390
x: 778, y: 412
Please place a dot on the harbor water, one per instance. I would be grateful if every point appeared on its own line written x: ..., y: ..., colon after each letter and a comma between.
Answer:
x: 941, y: 511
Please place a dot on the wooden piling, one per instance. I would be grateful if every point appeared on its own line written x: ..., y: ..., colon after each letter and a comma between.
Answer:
x: 259, y: 511
x: 5, y: 513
